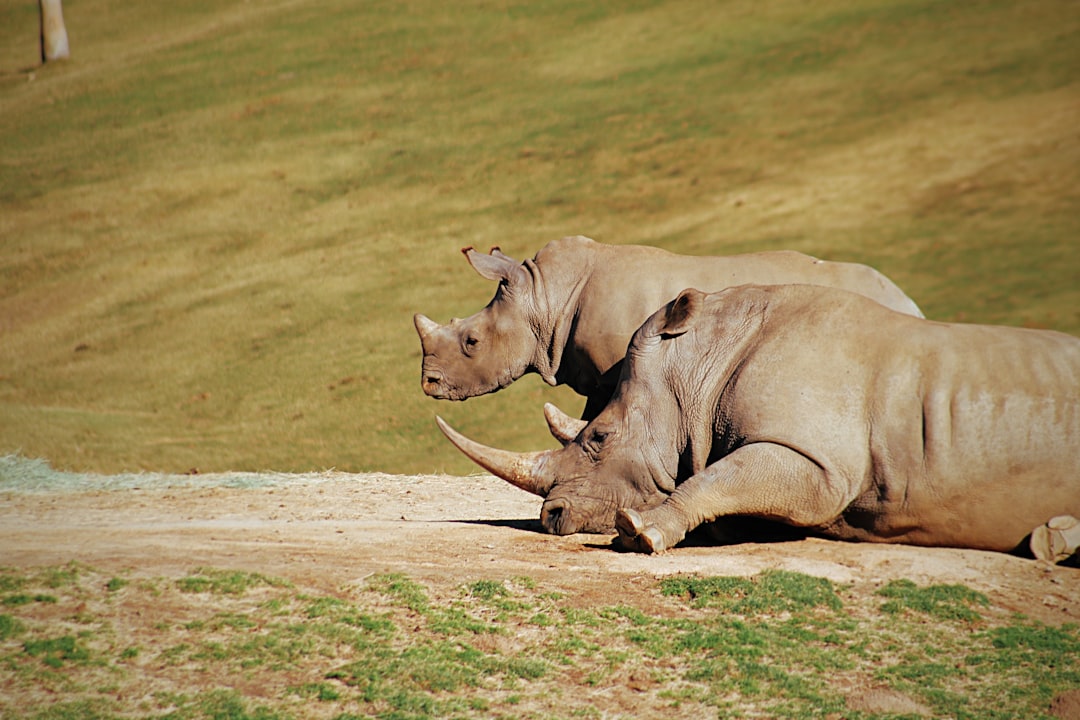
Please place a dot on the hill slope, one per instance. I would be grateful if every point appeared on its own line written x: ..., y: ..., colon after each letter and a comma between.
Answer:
x: 217, y: 219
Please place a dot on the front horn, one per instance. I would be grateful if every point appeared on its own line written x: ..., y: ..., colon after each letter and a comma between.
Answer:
x: 518, y: 469
x: 424, y: 325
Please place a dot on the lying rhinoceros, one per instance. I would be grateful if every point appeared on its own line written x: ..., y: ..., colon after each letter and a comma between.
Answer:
x: 568, y: 313
x: 821, y: 409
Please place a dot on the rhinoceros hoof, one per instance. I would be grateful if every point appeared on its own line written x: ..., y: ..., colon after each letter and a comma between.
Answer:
x: 635, y: 535
x: 629, y: 523
x: 1057, y: 540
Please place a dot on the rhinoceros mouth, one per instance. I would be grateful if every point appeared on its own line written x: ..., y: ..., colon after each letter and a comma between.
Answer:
x: 441, y: 392
x: 435, y: 385
x: 558, y: 516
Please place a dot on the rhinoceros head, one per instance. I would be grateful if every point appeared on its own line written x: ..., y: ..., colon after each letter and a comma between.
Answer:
x: 490, y: 349
x: 624, y: 458
x: 583, y: 483
x: 629, y: 456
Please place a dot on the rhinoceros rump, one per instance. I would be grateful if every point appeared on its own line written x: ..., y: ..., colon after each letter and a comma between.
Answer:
x: 821, y: 409
x: 568, y: 313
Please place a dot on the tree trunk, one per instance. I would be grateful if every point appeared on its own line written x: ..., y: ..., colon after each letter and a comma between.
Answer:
x: 54, y: 39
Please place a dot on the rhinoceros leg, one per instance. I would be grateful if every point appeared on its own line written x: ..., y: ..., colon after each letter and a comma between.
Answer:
x: 762, y: 479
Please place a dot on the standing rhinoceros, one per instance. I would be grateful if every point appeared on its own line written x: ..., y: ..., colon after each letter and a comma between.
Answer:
x: 818, y: 408
x: 568, y: 313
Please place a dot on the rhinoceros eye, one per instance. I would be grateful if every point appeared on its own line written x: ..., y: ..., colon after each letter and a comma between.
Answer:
x: 470, y: 343
x: 594, y: 443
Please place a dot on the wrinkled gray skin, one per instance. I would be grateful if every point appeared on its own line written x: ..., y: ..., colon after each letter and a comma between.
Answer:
x: 568, y: 314
x: 823, y: 410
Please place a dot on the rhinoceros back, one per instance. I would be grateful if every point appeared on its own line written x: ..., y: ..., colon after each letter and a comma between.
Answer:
x: 627, y: 283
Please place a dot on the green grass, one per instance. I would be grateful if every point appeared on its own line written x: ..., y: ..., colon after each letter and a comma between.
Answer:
x: 217, y: 219
x: 780, y: 644
x: 9, y: 627
x: 222, y: 582
x: 774, y: 591
x: 942, y: 601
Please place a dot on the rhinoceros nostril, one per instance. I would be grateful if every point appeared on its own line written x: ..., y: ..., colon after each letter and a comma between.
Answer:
x: 551, y: 519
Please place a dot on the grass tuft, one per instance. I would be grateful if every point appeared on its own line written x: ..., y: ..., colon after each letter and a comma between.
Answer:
x: 770, y: 592
x: 224, y: 582
x: 9, y: 627
x: 948, y: 602
x: 55, y: 651
x: 488, y: 589
x: 400, y: 589
x: 115, y: 584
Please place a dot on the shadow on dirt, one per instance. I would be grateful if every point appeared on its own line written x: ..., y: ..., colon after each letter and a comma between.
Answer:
x: 530, y: 525
x: 732, y: 531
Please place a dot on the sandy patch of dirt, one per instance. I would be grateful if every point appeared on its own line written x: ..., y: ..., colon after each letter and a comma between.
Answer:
x: 335, y: 528
x: 1066, y: 706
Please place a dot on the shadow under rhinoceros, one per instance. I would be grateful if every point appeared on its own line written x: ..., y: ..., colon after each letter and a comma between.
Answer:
x: 728, y: 532
x: 732, y: 531
x: 529, y: 525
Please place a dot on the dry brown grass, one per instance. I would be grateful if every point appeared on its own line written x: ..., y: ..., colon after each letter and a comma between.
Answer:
x: 217, y: 220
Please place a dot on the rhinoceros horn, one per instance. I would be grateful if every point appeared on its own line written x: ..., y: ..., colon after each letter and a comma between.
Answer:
x: 424, y: 325
x: 563, y: 427
x: 519, y: 469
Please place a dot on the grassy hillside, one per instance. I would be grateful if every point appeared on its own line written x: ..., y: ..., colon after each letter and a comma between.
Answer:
x: 217, y: 219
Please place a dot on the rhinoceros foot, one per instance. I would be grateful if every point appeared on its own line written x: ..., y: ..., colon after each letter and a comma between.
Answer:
x: 1057, y: 540
x: 635, y: 535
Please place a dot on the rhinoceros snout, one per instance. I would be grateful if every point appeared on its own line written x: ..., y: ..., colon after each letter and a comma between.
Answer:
x: 559, y: 517
x: 555, y: 517
x: 432, y: 383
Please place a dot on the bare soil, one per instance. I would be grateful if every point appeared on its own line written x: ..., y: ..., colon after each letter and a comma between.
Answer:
x: 331, y: 529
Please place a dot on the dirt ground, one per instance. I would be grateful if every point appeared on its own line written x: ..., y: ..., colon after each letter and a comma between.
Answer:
x: 330, y: 529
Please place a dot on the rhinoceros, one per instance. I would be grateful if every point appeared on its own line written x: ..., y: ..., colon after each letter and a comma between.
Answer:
x: 568, y: 313
x: 823, y: 410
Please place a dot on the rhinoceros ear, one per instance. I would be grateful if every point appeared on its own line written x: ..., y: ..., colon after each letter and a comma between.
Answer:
x: 493, y: 267
x: 679, y: 313
x: 496, y: 251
